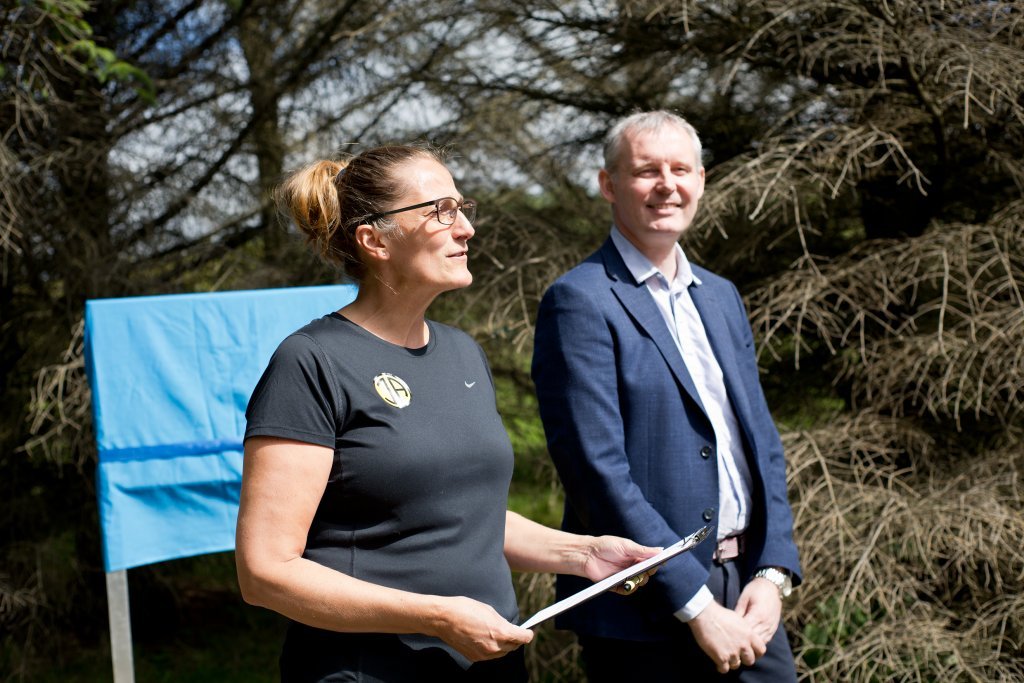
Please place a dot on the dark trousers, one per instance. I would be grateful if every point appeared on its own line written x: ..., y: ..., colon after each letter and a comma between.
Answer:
x: 315, y: 656
x: 613, y: 660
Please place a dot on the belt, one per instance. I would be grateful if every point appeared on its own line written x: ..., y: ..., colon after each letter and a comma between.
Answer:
x: 729, y: 548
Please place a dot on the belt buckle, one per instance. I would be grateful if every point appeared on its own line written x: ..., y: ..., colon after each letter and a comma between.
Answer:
x: 729, y: 548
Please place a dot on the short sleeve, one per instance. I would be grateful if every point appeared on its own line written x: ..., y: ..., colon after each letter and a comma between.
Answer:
x: 296, y: 397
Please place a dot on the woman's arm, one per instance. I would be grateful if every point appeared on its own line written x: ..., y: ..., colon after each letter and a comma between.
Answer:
x: 533, y: 547
x: 282, y: 483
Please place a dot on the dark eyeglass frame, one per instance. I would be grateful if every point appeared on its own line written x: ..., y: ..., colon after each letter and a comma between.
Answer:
x: 467, y: 206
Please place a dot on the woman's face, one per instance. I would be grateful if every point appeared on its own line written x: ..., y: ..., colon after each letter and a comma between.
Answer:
x: 426, y: 255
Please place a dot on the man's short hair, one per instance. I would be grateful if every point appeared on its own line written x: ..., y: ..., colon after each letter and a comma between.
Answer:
x: 645, y: 122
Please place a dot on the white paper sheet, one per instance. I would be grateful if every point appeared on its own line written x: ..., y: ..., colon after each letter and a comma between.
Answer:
x: 680, y: 546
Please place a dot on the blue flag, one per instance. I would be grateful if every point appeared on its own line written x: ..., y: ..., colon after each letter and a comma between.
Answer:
x: 170, y: 379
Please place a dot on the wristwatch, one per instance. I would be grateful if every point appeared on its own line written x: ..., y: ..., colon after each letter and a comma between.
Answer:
x: 777, y: 576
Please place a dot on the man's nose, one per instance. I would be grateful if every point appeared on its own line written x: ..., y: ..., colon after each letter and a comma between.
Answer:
x: 665, y: 181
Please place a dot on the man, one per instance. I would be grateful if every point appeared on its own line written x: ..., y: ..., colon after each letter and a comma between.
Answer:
x: 655, y: 418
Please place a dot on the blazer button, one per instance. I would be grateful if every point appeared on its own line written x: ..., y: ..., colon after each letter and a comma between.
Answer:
x: 709, y: 514
x: 705, y: 452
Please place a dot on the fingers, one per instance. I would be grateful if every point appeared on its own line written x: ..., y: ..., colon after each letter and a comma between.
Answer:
x: 765, y: 630
x: 728, y: 639
x: 644, y: 551
x: 631, y: 547
x: 746, y: 657
x: 478, y: 632
x: 507, y: 642
x: 609, y: 554
x: 498, y: 645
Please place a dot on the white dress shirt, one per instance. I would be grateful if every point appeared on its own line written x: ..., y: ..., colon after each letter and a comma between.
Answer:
x: 687, y: 329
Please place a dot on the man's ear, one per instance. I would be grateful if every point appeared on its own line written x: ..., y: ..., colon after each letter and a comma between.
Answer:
x: 605, y: 182
x: 370, y: 242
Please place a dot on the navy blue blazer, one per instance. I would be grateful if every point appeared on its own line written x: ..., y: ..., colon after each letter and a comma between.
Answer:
x: 631, y: 441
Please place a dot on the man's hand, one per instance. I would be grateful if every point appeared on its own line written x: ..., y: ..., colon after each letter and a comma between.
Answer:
x: 727, y: 638
x: 761, y: 606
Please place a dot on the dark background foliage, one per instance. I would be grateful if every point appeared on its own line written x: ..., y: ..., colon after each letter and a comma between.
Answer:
x: 864, y: 192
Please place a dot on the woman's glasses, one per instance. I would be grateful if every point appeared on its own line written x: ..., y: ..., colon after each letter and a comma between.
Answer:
x: 446, y: 208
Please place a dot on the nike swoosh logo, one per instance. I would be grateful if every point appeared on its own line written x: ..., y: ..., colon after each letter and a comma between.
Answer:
x: 469, y: 385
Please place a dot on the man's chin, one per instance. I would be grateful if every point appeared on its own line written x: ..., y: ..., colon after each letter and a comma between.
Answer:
x: 672, y: 227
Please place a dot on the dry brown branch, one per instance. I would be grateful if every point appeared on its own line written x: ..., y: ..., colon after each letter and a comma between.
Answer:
x: 937, y: 321
x: 14, y: 600
x: 553, y: 655
x: 60, y: 421
x: 767, y: 186
x: 976, y: 369
x: 675, y: 10
x: 904, y: 562
x: 522, y: 255
x: 969, y: 50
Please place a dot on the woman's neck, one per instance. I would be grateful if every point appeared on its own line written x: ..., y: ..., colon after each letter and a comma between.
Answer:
x: 381, y: 311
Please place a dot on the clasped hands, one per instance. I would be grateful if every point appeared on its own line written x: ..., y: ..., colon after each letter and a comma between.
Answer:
x: 734, y: 638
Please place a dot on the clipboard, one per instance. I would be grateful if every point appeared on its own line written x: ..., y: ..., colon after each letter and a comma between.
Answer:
x: 616, y: 579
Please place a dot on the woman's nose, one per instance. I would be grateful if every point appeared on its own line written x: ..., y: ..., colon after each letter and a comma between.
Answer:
x: 462, y: 227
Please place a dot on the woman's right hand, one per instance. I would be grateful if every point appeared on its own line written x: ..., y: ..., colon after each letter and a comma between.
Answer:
x: 477, y: 631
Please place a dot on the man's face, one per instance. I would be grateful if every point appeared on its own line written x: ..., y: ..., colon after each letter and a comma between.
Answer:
x: 655, y: 187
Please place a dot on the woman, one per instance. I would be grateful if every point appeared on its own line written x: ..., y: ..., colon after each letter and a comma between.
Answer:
x: 376, y: 466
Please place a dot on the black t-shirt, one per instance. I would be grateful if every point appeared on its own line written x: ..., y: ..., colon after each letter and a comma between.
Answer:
x: 418, y: 490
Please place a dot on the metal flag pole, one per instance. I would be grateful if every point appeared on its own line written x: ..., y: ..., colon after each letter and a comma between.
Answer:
x: 120, y: 627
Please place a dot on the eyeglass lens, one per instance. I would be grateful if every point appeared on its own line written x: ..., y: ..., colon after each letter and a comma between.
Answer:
x: 448, y: 209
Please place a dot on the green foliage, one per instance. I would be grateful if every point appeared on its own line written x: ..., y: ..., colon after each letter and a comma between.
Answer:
x: 535, y: 492
x: 61, y: 28
x: 103, y: 63
x: 833, y: 627
x: 67, y: 15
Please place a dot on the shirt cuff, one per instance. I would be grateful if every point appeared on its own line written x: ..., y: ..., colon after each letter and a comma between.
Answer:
x: 697, y: 604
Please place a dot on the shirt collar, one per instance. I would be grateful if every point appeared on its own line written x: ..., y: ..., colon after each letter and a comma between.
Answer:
x: 641, y: 268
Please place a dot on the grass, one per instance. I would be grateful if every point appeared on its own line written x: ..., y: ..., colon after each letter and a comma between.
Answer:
x: 188, y: 624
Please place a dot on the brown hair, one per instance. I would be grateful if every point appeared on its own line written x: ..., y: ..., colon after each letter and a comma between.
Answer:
x: 328, y: 199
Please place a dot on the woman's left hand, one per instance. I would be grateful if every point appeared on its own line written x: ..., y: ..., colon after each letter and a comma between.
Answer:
x: 532, y: 547
x: 609, y: 554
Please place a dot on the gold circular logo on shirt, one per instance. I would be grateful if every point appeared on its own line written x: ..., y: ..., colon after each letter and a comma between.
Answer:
x: 392, y: 389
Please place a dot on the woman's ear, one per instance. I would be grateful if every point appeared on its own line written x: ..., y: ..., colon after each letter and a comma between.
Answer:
x: 369, y: 240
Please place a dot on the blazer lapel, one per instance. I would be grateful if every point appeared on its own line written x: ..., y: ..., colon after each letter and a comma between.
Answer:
x: 639, y: 304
